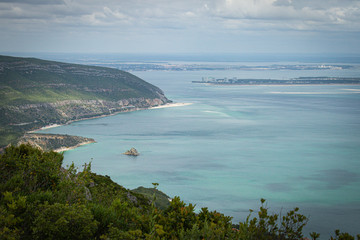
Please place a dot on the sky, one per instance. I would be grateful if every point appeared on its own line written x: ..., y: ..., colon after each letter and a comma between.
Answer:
x: 180, y: 26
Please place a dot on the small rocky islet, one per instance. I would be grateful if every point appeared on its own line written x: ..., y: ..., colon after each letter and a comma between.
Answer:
x: 132, y: 152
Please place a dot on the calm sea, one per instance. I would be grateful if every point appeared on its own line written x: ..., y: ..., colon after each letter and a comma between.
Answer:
x: 292, y: 145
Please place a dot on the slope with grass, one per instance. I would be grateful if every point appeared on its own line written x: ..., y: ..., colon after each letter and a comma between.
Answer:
x: 35, y: 93
x: 162, y: 200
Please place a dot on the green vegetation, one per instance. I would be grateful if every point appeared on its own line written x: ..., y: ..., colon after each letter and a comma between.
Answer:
x: 35, y: 93
x: 29, y: 80
x: 41, y: 200
x: 161, y: 199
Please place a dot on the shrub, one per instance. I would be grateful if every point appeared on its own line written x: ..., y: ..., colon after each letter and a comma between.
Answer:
x: 63, y: 221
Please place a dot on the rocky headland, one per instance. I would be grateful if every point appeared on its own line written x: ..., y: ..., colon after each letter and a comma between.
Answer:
x: 36, y: 93
x: 55, y: 142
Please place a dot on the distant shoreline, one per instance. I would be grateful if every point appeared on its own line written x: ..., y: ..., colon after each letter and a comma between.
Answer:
x: 299, y: 81
x: 290, y: 84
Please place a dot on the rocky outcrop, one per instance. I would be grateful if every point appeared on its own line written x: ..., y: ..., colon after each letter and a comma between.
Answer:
x: 131, y: 152
x: 132, y: 198
x: 55, y: 142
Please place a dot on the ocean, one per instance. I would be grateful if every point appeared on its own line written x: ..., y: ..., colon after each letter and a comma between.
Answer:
x: 295, y: 146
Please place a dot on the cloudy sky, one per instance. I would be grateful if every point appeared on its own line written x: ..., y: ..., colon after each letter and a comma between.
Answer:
x: 180, y: 26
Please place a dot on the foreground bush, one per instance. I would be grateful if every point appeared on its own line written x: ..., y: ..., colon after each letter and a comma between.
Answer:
x: 41, y: 200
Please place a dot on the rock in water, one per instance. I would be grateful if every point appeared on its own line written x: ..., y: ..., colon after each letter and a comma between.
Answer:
x: 132, y: 152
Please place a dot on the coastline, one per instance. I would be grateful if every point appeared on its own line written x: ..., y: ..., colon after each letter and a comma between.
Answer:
x: 46, y: 127
x: 63, y: 149
x: 168, y: 105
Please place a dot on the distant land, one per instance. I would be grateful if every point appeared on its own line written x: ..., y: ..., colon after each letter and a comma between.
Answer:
x: 205, y: 61
x: 35, y: 93
x: 292, y: 81
x: 181, y: 66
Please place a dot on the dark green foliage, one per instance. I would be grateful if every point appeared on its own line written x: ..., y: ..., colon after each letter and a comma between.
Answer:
x: 210, y: 225
x: 12, y: 208
x: 63, y: 221
x: 162, y: 200
x: 314, y: 235
x: 292, y: 225
x: 273, y: 226
x: 41, y: 200
x: 25, y: 169
x: 343, y: 236
x: 179, y: 216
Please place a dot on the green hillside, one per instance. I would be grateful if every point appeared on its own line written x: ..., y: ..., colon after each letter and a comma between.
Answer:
x: 30, y: 80
x: 162, y: 200
x: 35, y: 93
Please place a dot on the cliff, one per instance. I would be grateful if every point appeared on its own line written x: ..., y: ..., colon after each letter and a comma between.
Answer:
x: 55, y: 142
x: 35, y: 93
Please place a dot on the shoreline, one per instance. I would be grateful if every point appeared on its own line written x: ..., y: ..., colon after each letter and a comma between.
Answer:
x: 46, y: 127
x: 168, y: 105
x: 63, y: 149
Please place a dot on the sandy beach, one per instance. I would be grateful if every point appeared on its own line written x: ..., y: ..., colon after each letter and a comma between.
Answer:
x: 50, y: 126
x: 46, y: 127
x: 171, y: 105
x: 63, y: 149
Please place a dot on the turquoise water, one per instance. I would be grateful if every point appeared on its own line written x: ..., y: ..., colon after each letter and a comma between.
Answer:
x: 293, y: 145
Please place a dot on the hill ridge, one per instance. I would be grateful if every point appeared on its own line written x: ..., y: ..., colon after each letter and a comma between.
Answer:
x: 35, y: 93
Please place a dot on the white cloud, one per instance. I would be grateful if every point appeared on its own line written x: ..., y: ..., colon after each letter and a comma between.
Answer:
x: 34, y: 2
x: 280, y: 14
x: 290, y: 14
x: 171, y: 20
